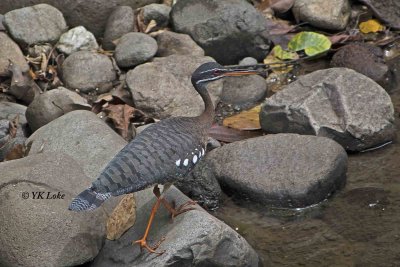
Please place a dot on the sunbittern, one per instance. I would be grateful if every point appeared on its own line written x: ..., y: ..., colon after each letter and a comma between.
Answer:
x: 163, y: 152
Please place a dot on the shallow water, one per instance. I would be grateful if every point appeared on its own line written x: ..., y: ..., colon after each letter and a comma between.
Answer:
x: 358, y: 226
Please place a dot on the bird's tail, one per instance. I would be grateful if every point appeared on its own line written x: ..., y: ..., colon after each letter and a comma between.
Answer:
x: 88, y: 200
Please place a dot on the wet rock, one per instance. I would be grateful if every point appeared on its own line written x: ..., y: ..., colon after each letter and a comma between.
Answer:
x: 170, y: 43
x: 283, y: 170
x: 332, y: 103
x: 201, y: 186
x: 157, y: 12
x: 120, y: 22
x: 88, y: 71
x: 77, y: 39
x: 92, y: 14
x: 248, y: 61
x: 329, y: 15
x: 388, y: 11
x: 134, y: 48
x: 195, y: 238
x: 45, y: 228
x: 243, y: 91
x: 53, y: 104
x: 227, y: 30
x: 360, y: 58
x: 162, y: 88
x: 10, y: 51
x: 36, y: 24
x: 84, y: 137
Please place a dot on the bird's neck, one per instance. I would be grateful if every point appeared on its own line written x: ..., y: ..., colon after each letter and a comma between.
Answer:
x: 207, y: 117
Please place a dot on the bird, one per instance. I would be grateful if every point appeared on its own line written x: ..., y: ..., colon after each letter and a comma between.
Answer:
x: 161, y: 154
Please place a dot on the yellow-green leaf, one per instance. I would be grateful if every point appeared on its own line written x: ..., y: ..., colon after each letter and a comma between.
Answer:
x: 284, y: 54
x: 311, y: 42
x: 246, y: 120
x: 371, y: 25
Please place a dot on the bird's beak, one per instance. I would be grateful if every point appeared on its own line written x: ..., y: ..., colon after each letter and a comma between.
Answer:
x: 240, y: 72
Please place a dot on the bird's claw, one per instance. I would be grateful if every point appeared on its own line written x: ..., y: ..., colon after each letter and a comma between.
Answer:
x: 143, y: 244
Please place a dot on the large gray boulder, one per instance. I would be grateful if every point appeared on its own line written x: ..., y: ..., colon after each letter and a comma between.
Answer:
x: 134, y: 48
x: 120, y: 22
x: 53, y: 104
x: 195, y: 238
x: 162, y: 88
x: 170, y: 43
x: 228, y: 30
x: 9, y: 50
x: 329, y: 15
x: 92, y: 14
x: 43, y: 232
x: 88, y: 71
x: 284, y: 170
x: 338, y: 103
x: 35, y: 24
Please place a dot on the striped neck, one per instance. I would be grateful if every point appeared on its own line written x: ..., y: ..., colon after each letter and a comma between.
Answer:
x: 207, y: 117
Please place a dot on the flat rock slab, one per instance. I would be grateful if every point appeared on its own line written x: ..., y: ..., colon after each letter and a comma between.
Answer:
x: 195, y: 238
x: 228, y: 30
x: 388, y: 11
x: 283, y: 170
x: 36, y: 24
x: 43, y: 232
x: 162, y: 88
x: 338, y: 103
x: 330, y: 15
x: 9, y: 50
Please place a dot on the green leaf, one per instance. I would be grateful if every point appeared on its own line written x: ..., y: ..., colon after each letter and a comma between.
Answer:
x: 283, y: 54
x: 311, y: 42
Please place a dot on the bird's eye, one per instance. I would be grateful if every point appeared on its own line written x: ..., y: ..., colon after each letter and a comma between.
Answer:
x: 217, y: 72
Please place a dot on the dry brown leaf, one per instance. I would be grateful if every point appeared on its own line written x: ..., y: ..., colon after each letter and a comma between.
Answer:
x: 122, y: 218
x: 246, y: 120
x: 151, y: 26
x: 229, y: 135
x: 121, y: 115
x: 16, y: 152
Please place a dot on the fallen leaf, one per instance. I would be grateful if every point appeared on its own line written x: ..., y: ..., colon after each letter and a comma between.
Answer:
x: 284, y: 54
x: 276, y: 65
x: 371, y: 25
x: 246, y: 120
x: 121, y: 116
x: 311, y: 42
x: 122, y: 218
x: 151, y: 26
x: 16, y: 152
x: 229, y: 135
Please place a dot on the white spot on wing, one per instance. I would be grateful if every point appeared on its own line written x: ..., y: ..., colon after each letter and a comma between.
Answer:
x: 194, y: 159
x: 203, y: 151
x: 178, y: 162
x: 185, y: 162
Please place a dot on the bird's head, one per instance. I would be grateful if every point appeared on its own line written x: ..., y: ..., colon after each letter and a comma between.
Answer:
x: 212, y: 71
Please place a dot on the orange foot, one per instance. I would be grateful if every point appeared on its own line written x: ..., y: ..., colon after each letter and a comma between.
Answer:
x: 143, y: 244
x: 181, y: 209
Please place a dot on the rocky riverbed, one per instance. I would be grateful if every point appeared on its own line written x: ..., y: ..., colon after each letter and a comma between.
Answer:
x: 310, y: 177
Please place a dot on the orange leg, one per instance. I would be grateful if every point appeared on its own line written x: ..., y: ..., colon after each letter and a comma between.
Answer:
x: 143, y: 242
x: 181, y: 209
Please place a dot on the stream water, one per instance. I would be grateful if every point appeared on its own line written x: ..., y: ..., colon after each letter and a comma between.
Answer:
x: 358, y: 226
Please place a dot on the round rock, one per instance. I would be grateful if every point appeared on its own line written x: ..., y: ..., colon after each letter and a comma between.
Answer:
x: 172, y: 43
x: 157, y: 12
x: 329, y: 15
x: 243, y: 91
x: 338, y: 103
x: 120, y: 22
x: 283, y: 170
x: 134, y: 48
x: 77, y: 39
x: 9, y: 50
x: 248, y: 61
x: 53, y: 104
x: 228, y: 30
x: 162, y: 88
x: 88, y: 71
x: 35, y: 24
